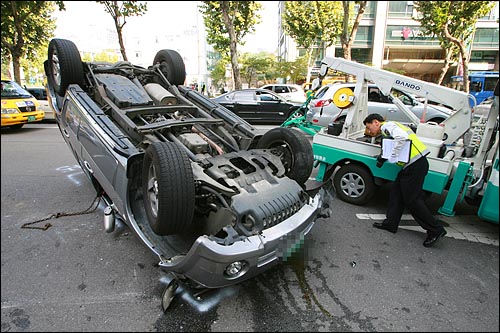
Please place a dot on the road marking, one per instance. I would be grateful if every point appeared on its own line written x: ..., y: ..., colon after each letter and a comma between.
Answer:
x: 467, y: 227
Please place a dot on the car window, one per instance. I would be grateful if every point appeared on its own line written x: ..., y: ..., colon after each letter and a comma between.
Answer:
x: 321, y: 92
x: 407, y: 100
x: 268, y: 88
x: 280, y: 89
x: 38, y: 93
x: 374, y: 95
x: 244, y: 96
x: 263, y: 96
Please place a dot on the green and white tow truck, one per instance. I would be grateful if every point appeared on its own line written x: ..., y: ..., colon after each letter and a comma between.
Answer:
x: 464, y: 150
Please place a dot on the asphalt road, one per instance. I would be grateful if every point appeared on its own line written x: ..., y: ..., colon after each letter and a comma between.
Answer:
x: 349, y: 276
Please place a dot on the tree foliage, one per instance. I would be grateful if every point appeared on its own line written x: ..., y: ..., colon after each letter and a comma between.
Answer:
x: 119, y: 11
x: 227, y: 23
x: 255, y: 66
x: 27, y: 27
x: 455, y: 22
x: 312, y: 24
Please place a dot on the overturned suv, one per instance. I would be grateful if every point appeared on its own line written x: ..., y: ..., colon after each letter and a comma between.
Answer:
x: 217, y: 200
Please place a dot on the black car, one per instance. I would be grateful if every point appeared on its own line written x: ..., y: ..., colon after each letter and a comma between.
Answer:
x: 215, y: 199
x: 259, y: 106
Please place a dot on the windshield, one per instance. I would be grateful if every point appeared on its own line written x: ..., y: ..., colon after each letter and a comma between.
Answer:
x: 11, y: 89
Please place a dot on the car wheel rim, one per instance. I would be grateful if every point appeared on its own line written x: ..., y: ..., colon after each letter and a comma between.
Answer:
x: 56, y: 69
x: 284, y: 152
x: 352, y: 185
x: 153, y: 190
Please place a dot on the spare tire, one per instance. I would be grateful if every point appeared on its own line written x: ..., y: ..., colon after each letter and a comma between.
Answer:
x: 172, y: 66
x: 168, y: 188
x: 294, y: 150
x: 64, y: 65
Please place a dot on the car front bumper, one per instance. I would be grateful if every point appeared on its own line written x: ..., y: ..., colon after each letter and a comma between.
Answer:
x: 207, y: 261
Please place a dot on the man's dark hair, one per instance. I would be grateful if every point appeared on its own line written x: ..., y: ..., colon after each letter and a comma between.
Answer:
x: 372, y: 117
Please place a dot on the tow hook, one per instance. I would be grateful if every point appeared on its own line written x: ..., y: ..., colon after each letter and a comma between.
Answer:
x: 109, y: 219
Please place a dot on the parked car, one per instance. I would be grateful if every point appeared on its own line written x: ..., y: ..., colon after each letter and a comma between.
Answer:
x: 322, y: 111
x: 291, y: 92
x: 258, y: 106
x: 40, y: 93
x: 217, y: 200
x: 19, y: 107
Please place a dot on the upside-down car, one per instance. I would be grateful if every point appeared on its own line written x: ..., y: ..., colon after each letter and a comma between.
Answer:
x: 217, y: 200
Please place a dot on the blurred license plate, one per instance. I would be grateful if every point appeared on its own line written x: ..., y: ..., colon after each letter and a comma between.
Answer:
x: 31, y: 118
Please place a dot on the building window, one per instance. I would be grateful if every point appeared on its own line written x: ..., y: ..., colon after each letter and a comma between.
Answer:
x: 400, y: 9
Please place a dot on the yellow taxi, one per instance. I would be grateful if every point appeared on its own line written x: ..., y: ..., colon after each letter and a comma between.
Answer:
x: 19, y: 107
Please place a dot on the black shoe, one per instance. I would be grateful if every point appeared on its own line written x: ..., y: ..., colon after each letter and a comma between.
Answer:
x: 384, y: 226
x: 430, y: 240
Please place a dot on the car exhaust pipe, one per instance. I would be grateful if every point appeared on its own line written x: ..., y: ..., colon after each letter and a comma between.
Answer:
x: 109, y: 219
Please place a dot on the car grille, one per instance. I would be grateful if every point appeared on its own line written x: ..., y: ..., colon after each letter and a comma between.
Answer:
x: 27, y: 108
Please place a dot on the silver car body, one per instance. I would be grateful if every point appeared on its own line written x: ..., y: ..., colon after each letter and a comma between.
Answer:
x: 247, y: 214
x: 322, y: 111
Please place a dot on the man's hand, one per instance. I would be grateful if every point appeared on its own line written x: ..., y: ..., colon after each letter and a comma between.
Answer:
x: 380, y: 161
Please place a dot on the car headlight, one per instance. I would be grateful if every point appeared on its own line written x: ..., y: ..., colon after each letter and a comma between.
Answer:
x: 6, y: 111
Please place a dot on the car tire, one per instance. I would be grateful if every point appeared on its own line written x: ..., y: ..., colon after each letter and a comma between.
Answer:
x: 168, y: 188
x: 294, y: 150
x: 64, y: 66
x: 354, y: 184
x: 172, y: 66
x: 297, y: 113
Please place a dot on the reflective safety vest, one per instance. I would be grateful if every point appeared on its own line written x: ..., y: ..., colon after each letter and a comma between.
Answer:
x: 418, y: 149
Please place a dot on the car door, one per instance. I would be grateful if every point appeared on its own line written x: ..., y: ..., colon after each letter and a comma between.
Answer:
x: 245, y: 105
x: 272, y: 109
x: 69, y: 126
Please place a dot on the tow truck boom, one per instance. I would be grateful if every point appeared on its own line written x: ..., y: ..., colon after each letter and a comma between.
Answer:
x: 455, y: 126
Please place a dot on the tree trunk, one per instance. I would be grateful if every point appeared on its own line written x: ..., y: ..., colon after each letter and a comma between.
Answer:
x: 120, y: 40
x: 463, y: 54
x: 309, y: 65
x: 232, y: 46
x: 347, y: 39
x: 17, y: 68
x: 446, y: 67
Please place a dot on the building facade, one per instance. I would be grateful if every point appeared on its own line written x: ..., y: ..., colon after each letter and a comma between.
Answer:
x: 389, y: 38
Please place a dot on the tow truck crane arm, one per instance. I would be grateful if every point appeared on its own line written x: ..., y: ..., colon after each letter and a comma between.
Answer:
x: 455, y: 126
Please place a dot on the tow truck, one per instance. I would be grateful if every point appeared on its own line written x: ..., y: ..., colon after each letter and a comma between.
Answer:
x: 464, y: 150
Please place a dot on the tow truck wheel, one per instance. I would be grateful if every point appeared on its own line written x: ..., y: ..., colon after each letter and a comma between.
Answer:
x: 354, y: 184
x: 294, y: 150
x: 168, y: 188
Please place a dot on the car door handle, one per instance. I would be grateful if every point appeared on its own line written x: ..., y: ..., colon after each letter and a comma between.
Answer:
x: 66, y: 134
x: 88, y: 167
x: 392, y: 110
x: 281, y: 113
